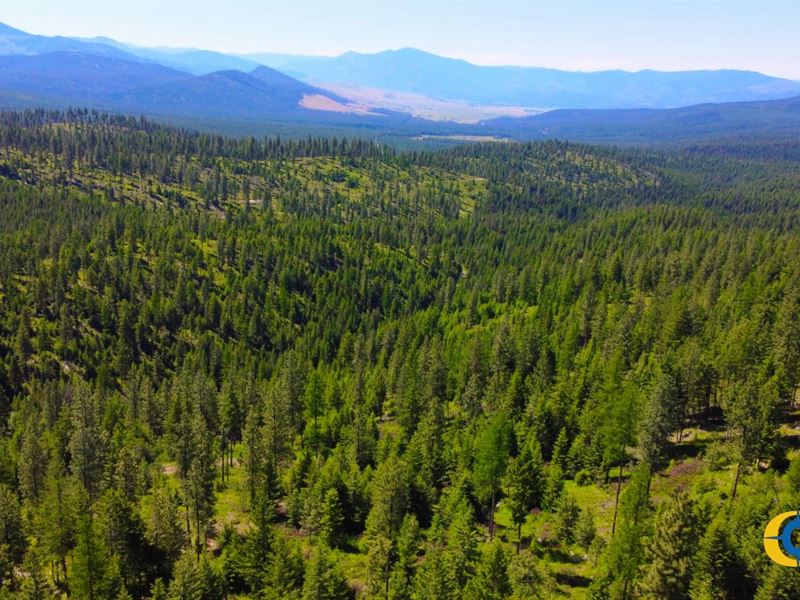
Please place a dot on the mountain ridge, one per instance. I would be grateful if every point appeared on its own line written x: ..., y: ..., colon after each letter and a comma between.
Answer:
x: 99, y: 73
x: 411, y: 70
x: 415, y: 71
x: 74, y: 78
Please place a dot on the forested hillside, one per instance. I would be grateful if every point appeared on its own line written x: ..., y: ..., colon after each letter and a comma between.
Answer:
x: 323, y: 369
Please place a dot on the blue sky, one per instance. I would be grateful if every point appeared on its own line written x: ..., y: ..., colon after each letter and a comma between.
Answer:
x: 578, y: 35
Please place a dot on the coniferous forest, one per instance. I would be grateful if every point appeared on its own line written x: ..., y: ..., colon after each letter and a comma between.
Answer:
x: 327, y: 369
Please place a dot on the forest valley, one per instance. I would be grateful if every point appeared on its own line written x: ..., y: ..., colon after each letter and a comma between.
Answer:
x: 326, y: 369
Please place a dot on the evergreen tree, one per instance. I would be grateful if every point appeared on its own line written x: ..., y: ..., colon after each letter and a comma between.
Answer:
x: 780, y: 583
x: 164, y: 530
x: 198, y: 485
x: 750, y: 413
x: 122, y: 532
x: 389, y: 498
x: 659, y: 419
x: 285, y: 570
x: 462, y: 548
x: 12, y: 537
x: 86, y: 444
x: 625, y: 553
x: 567, y: 518
x: 407, y: 547
x: 380, y: 552
x: 529, y: 579
x: 35, y: 585
x: 323, y: 579
x: 585, y: 529
x: 553, y: 487
x: 490, y: 462
x: 331, y: 519
x: 32, y: 463
x: 491, y: 580
x: 560, y: 449
x: 253, y: 458
x: 56, y: 518
x: 195, y: 579
x: 522, y: 486
x: 670, y: 553
x: 433, y: 580
x: 719, y: 573
x: 95, y: 573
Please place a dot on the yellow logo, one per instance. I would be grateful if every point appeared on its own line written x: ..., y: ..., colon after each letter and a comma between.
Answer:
x: 778, y: 542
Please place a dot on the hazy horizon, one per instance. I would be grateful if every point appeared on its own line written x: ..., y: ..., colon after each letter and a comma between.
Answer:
x: 575, y: 36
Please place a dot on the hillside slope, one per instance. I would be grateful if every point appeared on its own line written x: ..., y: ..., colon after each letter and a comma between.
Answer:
x: 323, y: 368
x: 776, y: 118
x: 76, y: 78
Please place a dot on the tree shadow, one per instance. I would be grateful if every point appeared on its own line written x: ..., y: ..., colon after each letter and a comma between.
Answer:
x: 572, y: 580
x: 684, y: 450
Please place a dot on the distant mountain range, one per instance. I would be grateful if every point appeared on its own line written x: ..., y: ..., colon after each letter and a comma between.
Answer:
x: 418, y: 72
x: 191, y: 60
x: 99, y: 81
x: 16, y: 42
x: 99, y: 73
x: 303, y: 95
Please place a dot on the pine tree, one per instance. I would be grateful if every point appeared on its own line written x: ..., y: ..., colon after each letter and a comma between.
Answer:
x: 523, y: 486
x: 195, y: 579
x: 22, y: 349
x: 407, y: 547
x: 659, y: 418
x: 323, y: 579
x: 750, y: 414
x: 159, y: 590
x: 380, y: 552
x: 491, y: 580
x: 95, y: 574
x: 433, y: 580
x: 560, y: 450
x: 12, y: 537
x: 86, y: 444
x: 553, y: 487
x: 198, y: 485
x: 780, y: 583
x: 585, y: 529
x: 625, y: 552
x: 389, y: 498
x: 284, y: 573
x: 164, y: 530
x: 490, y: 462
x: 529, y: 578
x: 719, y: 572
x: 252, y: 445
x: 122, y: 532
x: 32, y: 463
x: 314, y: 402
x: 670, y: 553
x: 35, y: 585
x: 567, y: 518
x: 55, y: 518
x: 462, y: 548
x: 230, y: 417
x: 618, y: 426
x: 277, y: 420
x: 331, y: 519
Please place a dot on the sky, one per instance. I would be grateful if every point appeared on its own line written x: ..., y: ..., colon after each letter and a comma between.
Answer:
x: 570, y: 34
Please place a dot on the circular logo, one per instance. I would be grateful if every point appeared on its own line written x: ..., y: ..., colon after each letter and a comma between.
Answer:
x: 778, y: 542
